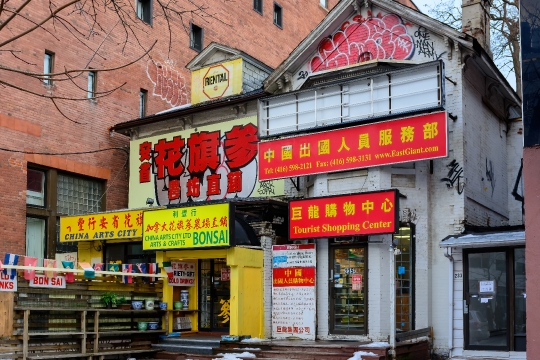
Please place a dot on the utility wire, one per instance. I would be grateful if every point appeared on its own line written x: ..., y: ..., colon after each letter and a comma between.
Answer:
x: 65, y: 153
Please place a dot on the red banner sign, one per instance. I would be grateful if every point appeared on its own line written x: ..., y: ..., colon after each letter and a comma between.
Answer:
x: 344, y: 215
x: 415, y: 138
x: 293, y: 277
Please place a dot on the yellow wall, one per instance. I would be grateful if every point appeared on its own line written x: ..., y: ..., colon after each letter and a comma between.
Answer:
x: 246, y: 300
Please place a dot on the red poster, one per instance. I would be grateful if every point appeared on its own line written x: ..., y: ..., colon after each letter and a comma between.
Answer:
x: 414, y: 138
x: 344, y: 215
x: 293, y: 277
x: 357, y: 282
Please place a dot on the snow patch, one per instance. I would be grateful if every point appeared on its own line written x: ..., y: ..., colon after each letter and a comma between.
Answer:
x: 358, y: 355
x: 234, y: 356
x: 376, y: 344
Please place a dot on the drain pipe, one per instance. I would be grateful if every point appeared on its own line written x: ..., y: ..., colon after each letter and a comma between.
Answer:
x: 448, y: 255
x: 392, y: 294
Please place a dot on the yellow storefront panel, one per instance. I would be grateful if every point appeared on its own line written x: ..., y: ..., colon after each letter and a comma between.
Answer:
x: 101, y: 226
x: 193, y: 227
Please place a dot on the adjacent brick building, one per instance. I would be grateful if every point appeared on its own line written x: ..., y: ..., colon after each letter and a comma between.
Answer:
x: 35, y: 135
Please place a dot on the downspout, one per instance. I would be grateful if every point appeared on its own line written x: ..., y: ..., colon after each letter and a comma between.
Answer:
x: 392, y: 337
x: 448, y: 255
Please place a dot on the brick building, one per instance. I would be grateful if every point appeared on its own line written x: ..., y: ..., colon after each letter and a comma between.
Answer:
x: 41, y: 177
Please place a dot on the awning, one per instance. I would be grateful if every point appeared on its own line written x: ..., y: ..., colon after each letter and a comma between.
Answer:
x: 506, y: 238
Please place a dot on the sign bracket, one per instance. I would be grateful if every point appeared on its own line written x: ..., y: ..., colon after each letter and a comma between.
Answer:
x: 297, y: 184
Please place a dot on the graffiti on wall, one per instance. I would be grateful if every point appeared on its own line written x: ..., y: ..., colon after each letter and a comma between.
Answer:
x: 169, y: 85
x: 454, y: 176
x: 490, y: 175
x: 424, y: 45
x: 362, y: 39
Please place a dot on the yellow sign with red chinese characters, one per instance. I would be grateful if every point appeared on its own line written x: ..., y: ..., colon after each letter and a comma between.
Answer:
x: 101, y: 226
x: 187, y: 227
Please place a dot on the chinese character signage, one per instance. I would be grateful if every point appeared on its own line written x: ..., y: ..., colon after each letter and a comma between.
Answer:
x: 194, y: 227
x: 216, y: 81
x: 183, y: 274
x: 345, y: 215
x: 208, y: 163
x: 415, y: 138
x: 101, y: 226
x: 293, y: 291
x: 41, y: 281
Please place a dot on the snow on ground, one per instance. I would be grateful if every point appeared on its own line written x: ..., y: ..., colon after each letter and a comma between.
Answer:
x: 376, y: 344
x: 254, y: 340
x: 358, y: 355
x: 246, y: 348
x: 234, y: 356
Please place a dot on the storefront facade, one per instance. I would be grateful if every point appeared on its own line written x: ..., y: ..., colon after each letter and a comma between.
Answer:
x: 355, y: 110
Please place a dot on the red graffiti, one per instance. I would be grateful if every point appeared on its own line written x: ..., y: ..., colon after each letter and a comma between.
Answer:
x: 382, y: 37
x: 168, y: 83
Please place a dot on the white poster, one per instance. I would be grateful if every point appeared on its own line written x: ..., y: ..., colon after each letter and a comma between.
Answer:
x: 293, y: 291
x: 6, y: 283
x: 41, y: 281
x: 183, y: 273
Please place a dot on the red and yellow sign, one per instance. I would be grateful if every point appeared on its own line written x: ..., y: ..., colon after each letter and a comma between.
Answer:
x: 187, y: 228
x: 344, y: 215
x: 415, y: 138
x: 300, y: 276
x: 101, y: 226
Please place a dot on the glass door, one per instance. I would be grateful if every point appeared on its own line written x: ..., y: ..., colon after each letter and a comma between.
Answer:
x: 347, y: 290
x: 215, y: 293
x: 487, y: 301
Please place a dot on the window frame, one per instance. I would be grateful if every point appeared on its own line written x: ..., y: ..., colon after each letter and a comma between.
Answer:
x: 47, y: 80
x: 279, y: 21
x: 146, y: 16
x: 91, y: 86
x: 200, y: 31
x: 261, y: 7
x: 143, y: 100
x: 324, y: 3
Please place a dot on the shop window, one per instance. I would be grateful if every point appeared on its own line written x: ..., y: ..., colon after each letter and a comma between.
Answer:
x: 60, y: 194
x: 278, y: 15
x: 144, y: 10
x: 196, y: 38
x: 48, y: 63
x: 404, y: 272
x: 128, y: 253
x: 258, y: 6
x: 35, y: 187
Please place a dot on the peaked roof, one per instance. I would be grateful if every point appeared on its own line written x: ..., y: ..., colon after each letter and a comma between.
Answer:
x: 216, y: 53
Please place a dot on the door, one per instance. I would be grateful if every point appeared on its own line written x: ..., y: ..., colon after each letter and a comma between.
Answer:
x: 487, y: 321
x: 348, y: 290
x: 215, y: 293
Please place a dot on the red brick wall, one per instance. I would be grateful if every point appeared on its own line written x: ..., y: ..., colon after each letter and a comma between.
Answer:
x: 32, y: 123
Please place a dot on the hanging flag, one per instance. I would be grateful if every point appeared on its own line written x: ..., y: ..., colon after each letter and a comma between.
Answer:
x: 70, y: 277
x: 141, y: 267
x: 30, y: 261
x: 98, y: 266
x: 127, y: 268
x: 113, y: 267
x: 49, y: 263
x: 89, y: 272
x: 168, y: 269
x: 11, y: 259
x: 152, y: 268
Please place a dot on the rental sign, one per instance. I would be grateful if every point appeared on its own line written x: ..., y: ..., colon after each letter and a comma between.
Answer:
x: 409, y: 139
x: 344, y: 215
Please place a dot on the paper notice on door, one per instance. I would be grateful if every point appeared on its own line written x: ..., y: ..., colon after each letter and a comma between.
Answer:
x: 484, y: 300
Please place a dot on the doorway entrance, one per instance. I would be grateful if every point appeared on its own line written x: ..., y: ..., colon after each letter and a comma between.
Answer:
x: 348, y: 290
x: 495, y: 299
x: 214, y: 295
